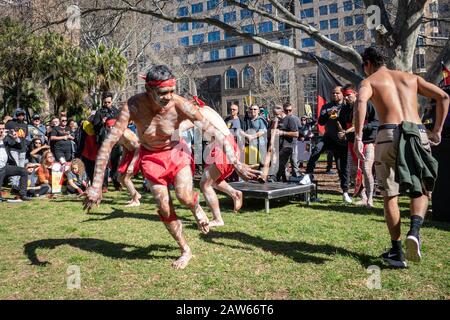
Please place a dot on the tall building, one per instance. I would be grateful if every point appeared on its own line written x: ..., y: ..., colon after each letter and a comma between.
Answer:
x: 224, y: 69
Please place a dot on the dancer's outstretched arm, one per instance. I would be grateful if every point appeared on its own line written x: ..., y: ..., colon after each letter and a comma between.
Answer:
x: 211, y: 123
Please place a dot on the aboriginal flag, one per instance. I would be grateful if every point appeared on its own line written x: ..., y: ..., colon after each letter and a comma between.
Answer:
x: 445, y: 75
x: 326, y: 82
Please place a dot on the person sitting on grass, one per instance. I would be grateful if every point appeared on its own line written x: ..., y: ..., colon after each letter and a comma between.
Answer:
x: 34, y: 189
x: 45, y: 170
x: 77, y: 180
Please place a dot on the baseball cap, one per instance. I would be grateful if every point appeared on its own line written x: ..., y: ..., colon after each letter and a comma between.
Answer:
x: 36, y: 116
x: 19, y: 111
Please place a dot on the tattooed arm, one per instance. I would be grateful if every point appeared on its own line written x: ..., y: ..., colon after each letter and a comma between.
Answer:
x: 211, y: 123
x: 94, y: 193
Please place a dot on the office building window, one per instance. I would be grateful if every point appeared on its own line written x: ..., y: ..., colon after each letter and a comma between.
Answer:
x: 307, y: 13
x: 183, y: 26
x: 229, y: 17
x: 214, y: 55
x: 308, y: 42
x: 197, y: 8
x: 306, y: 1
x: 323, y: 10
x: 323, y: 25
x: 183, y: 41
x: 250, y: 28
x: 230, y: 51
x: 267, y: 76
x: 248, y: 76
x: 212, y: 4
x: 214, y: 36
x: 228, y: 35
x: 265, y: 27
x: 197, y: 25
x: 334, y: 23
x: 359, y: 19
x: 248, y: 49
x: 183, y: 11
x: 360, y: 35
x: 348, y: 21
x: 245, y: 13
x: 358, y: 4
x: 198, y: 38
x: 284, y: 42
x: 348, y: 6
x: 231, y: 79
x: 420, y: 61
x: 348, y: 36
x: 281, y: 26
x: 268, y: 8
x: 284, y: 82
x: 360, y: 48
x: 334, y: 37
x: 333, y: 8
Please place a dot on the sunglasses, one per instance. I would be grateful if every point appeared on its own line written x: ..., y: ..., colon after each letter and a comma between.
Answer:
x: 288, y: 110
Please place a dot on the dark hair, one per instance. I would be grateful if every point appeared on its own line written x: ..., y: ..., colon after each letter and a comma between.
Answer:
x: 348, y: 86
x: 159, y: 72
x: 286, y: 104
x: 1, y: 122
x: 374, y: 56
x: 107, y: 95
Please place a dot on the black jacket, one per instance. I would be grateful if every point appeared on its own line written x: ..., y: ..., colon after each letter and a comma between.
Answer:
x: 370, y: 127
x: 10, y: 143
x: 331, y: 125
x: 99, y: 125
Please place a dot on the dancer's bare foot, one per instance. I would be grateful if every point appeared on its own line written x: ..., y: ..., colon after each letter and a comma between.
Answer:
x: 133, y: 203
x: 137, y: 197
x: 216, y: 223
x: 202, y: 221
x: 183, y: 260
x: 237, y: 199
x: 361, y: 203
x: 370, y: 203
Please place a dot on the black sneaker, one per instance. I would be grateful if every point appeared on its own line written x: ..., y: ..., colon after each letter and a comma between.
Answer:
x: 395, y: 259
x: 413, y: 247
x: 25, y: 198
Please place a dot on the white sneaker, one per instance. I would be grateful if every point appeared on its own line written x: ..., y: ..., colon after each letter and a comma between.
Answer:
x: 346, y: 198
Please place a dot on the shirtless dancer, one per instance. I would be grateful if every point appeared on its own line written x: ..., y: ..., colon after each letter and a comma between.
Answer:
x: 218, y: 167
x: 394, y: 95
x: 129, y: 166
x: 157, y: 113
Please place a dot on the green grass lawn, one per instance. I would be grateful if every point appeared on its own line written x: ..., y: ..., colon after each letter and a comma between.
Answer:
x: 295, y: 252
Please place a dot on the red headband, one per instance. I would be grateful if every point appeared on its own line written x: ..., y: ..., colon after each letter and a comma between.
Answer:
x: 347, y: 92
x: 110, y: 122
x: 198, y: 101
x: 160, y: 83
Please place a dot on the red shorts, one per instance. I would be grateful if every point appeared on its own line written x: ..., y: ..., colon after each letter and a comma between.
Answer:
x: 219, y: 158
x: 161, y: 167
x: 126, y: 161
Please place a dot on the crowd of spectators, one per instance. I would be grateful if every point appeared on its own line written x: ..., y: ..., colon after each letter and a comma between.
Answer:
x: 36, y: 156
